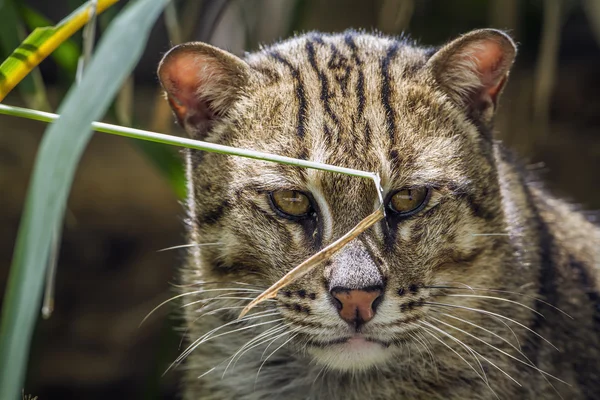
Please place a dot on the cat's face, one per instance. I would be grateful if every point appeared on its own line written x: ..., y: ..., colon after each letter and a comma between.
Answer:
x: 362, y: 102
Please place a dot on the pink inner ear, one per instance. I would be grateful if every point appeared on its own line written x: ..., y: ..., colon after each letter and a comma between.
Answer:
x: 488, y: 57
x: 185, y: 76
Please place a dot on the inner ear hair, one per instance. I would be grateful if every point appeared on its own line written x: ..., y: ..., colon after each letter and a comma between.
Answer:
x: 201, y: 83
x: 473, y: 70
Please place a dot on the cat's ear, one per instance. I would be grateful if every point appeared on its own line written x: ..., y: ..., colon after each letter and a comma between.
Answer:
x: 201, y: 83
x: 473, y: 70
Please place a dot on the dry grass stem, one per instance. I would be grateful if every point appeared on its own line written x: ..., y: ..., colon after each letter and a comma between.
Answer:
x: 315, y: 260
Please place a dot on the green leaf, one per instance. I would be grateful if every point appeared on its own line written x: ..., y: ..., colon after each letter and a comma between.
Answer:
x: 12, y: 33
x: 65, y: 55
x: 59, y: 153
x: 41, y: 43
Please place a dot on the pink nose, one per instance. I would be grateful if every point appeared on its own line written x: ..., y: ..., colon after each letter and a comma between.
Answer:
x: 356, y: 306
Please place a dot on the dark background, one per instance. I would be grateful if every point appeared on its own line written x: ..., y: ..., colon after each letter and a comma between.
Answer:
x: 123, y: 208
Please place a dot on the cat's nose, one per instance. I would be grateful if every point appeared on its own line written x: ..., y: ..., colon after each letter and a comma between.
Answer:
x: 357, y: 306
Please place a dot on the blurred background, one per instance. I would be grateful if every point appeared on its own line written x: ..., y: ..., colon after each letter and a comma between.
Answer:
x: 125, y: 202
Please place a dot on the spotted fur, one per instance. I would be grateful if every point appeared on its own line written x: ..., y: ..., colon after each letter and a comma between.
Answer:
x: 489, y: 239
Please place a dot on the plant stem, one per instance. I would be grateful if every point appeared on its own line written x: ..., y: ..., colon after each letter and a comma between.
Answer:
x: 196, y: 144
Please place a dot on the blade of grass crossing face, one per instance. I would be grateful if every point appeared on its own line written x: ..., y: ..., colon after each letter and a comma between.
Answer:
x: 58, y: 155
x: 198, y: 145
x: 316, y: 259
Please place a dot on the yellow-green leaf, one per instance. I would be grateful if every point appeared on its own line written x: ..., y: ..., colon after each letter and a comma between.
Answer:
x: 40, y: 43
x: 65, y: 55
x: 12, y: 34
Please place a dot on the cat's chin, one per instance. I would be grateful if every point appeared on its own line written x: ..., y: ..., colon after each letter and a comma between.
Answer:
x: 354, y: 354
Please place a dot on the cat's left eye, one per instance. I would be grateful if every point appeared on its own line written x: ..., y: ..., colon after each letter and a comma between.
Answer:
x: 291, y: 203
x: 407, y: 202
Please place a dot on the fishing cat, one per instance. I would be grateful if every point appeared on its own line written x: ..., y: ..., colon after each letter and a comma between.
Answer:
x: 477, y: 284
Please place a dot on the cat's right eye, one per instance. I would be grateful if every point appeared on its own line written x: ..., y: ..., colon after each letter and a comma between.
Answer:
x: 291, y: 203
x: 407, y: 202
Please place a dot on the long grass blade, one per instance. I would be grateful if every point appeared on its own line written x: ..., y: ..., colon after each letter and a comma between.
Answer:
x: 194, y: 144
x: 155, y: 137
x: 58, y: 155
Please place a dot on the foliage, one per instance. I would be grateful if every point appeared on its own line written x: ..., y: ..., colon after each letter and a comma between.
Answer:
x: 40, y: 43
x: 57, y: 159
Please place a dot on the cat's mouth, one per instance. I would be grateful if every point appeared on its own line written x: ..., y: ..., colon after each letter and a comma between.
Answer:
x: 351, y: 353
x: 354, y: 340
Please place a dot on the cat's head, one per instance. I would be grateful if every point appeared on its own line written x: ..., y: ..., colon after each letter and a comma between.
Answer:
x: 420, y: 118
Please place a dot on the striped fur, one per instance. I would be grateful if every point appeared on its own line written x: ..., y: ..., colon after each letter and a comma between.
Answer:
x: 379, y: 104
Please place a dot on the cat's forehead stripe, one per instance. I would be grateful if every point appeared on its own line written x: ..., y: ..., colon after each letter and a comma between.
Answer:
x: 324, y: 82
x: 386, y: 91
x: 360, y: 82
x: 300, y: 92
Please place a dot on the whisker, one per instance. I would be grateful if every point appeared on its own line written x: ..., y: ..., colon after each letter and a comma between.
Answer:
x: 235, y: 288
x: 193, y: 347
x: 207, y: 336
x: 183, y: 246
x: 464, y: 286
x: 165, y: 302
x: 496, y: 315
x: 484, y: 358
x: 212, y: 312
x: 422, y: 340
x: 512, y: 331
x: 492, y: 298
x: 510, y: 344
x: 218, y: 283
x: 460, y: 342
x: 509, y: 328
x: 492, y: 234
x: 224, y: 296
x: 501, y: 291
x: 459, y: 355
x: 499, y: 350
x: 273, y: 352
x: 273, y: 340
x: 207, y: 372
x: 213, y: 368
x: 319, y: 373
x: 260, y: 338
x: 188, y: 294
x: 269, y: 345
x: 413, y: 337
x: 484, y: 329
